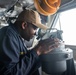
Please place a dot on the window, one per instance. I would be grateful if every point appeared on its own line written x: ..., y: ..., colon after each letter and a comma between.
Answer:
x: 67, y: 21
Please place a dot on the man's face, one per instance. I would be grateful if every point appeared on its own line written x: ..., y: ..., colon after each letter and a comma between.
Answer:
x: 29, y: 31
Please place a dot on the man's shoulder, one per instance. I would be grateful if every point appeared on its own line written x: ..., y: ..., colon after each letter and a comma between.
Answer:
x: 3, y: 30
x: 7, y: 31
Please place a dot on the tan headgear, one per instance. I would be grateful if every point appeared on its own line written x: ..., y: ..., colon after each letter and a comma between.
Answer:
x: 31, y: 16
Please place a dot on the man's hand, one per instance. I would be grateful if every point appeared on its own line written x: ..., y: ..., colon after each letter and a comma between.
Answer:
x: 45, y: 46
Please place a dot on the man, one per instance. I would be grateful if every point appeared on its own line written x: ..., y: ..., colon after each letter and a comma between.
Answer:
x: 15, y: 59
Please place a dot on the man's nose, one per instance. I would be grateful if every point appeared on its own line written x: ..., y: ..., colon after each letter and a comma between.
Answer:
x: 35, y: 32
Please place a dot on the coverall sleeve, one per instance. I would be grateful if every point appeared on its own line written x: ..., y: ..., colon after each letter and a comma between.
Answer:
x: 15, y: 64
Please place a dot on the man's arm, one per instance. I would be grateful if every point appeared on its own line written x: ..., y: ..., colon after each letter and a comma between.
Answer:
x: 14, y: 63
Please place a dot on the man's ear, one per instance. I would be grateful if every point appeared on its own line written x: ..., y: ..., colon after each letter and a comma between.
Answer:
x: 24, y: 25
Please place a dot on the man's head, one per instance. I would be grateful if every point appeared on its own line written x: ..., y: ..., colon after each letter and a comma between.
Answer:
x: 30, y: 21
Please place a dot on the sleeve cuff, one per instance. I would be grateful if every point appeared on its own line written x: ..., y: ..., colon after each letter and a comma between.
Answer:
x: 34, y: 53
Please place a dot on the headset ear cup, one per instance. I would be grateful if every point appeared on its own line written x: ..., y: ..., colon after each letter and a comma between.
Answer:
x: 47, y: 7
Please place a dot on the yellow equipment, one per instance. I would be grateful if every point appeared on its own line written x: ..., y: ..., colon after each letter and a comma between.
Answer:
x: 47, y: 7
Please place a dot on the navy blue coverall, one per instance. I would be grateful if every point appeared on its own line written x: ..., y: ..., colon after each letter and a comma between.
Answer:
x: 15, y: 59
